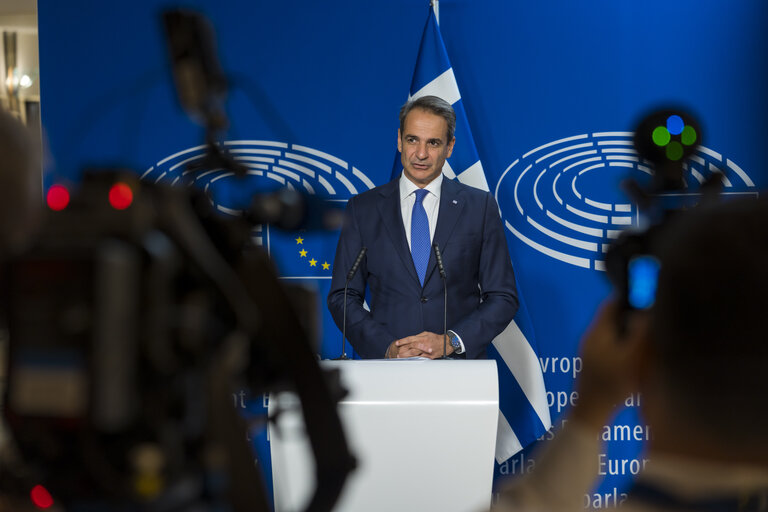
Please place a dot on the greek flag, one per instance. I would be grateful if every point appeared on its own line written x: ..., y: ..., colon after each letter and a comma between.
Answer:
x: 524, y: 414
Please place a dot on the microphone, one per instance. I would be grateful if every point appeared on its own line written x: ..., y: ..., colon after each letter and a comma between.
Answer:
x: 353, y: 270
x: 441, y: 269
x: 292, y: 210
x: 350, y: 275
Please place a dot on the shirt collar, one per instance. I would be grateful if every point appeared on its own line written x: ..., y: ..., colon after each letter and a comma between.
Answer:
x: 407, y: 187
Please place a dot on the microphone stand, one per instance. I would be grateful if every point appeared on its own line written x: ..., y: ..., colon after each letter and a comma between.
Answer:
x: 350, y: 275
x: 344, y: 328
x: 445, y: 314
x: 441, y: 269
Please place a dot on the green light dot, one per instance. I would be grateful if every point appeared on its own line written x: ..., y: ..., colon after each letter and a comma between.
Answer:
x: 688, y: 136
x: 661, y: 136
x: 674, y: 151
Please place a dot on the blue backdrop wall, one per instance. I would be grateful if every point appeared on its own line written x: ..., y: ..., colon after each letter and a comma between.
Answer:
x: 318, y: 85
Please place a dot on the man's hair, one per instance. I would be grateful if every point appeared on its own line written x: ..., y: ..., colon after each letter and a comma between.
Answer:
x: 434, y: 105
x: 709, y: 321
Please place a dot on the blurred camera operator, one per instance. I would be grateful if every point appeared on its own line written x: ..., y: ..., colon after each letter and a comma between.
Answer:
x: 698, y: 356
x: 20, y: 184
x: 20, y: 214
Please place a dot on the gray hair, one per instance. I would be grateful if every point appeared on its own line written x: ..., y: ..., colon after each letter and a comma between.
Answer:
x: 434, y: 105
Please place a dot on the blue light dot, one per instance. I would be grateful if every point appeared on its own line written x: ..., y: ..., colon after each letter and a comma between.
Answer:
x: 642, y: 276
x: 675, y: 124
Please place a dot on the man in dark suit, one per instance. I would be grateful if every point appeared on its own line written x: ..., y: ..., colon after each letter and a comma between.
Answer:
x: 398, y: 223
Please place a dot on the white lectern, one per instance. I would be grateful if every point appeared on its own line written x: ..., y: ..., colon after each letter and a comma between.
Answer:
x: 423, y: 433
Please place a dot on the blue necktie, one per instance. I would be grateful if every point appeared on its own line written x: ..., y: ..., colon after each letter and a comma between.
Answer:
x: 420, y: 243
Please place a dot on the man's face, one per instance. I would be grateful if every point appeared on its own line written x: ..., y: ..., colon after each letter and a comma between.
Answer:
x: 423, y: 146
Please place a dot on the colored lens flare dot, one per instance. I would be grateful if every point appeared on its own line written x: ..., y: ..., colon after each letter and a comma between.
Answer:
x: 643, y: 272
x: 688, y: 137
x: 675, y: 124
x: 41, y: 497
x: 674, y: 151
x: 661, y: 136
x: 120, y: 196
x: 57, y: 197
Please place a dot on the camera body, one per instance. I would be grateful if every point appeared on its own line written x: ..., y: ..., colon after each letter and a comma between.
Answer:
x: 131, y: 321
x: 664, y: 139
x: 112, y: 325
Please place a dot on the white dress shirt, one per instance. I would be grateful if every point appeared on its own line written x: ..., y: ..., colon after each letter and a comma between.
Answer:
x: 431, y: 204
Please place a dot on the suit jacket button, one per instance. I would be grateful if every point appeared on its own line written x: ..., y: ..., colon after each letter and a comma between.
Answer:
x: 424, y: 299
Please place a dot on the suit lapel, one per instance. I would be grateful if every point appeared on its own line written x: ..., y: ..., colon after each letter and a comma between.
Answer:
x: 392, y: 218
x: 451, y: 206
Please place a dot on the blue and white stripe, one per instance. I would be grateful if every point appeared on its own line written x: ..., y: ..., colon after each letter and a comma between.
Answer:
x: 524, y: 414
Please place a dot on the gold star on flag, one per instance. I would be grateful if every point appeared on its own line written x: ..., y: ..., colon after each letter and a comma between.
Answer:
x: 313, y: 262
x: 303, y: 253
x: 299, y: 240
x: 326, y: 265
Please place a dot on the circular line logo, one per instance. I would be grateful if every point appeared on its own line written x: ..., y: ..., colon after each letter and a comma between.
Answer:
x: 563, y: 198
x: 290, y: 165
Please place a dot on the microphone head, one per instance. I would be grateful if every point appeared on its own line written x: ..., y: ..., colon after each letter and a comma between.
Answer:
x: 439, y: 259
x: 291, y: 210
x: 356, y: 264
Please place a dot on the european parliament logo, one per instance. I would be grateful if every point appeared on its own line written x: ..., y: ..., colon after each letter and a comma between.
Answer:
x: 563, y: 198
x: 271, y: 165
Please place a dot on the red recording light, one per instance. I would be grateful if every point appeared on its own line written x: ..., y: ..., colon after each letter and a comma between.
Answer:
x: 41, y: 497
x: 57, y: 198
x: 120, y: 196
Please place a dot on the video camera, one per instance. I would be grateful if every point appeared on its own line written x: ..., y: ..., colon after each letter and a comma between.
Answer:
x: 665, y: 139
x: 133, y: 318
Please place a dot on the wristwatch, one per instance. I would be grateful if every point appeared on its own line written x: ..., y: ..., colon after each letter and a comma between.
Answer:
x: 453, y: 339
